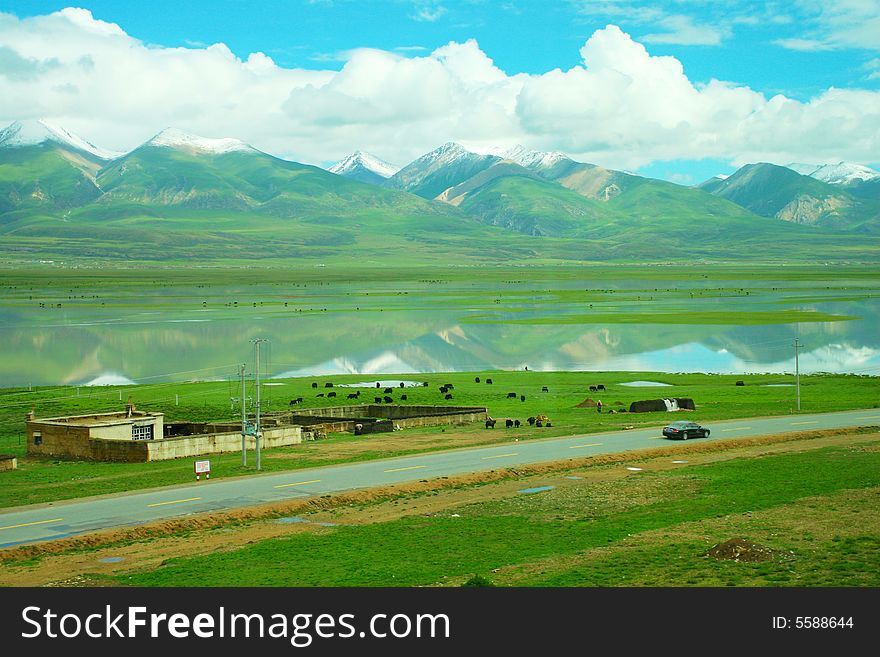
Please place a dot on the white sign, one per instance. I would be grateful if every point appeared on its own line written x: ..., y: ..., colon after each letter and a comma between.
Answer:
x: 203, y: 467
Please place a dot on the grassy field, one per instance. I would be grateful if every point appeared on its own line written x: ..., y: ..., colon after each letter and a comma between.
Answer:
x: 72, y: 324
x: 716, y: 396
x: 813, y: 513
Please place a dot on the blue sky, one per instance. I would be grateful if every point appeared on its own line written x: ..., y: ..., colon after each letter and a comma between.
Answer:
x: 800, y: 49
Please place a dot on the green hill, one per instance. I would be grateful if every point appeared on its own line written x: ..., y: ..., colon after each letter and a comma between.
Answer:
x: 773, y: 191
x: 532, y: 206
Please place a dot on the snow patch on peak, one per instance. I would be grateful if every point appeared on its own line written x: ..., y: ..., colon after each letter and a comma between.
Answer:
x: 533, y: 159
x: 174, y: 138
x: 37, y: 131
x: 362, y: 160
x: 844, y: 173
x: 495, y: 151
x: 448, y: 153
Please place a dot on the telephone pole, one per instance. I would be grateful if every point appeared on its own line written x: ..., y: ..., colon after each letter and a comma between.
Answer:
x: 257, y: 431
x: 797, y: 372
x: 243, y: 416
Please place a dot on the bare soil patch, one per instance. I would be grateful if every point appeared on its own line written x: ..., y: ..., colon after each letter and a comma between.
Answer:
x: 741, y: 549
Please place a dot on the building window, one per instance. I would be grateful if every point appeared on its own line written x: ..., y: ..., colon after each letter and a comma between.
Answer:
x: 38, y: 438
x: 142, y: 432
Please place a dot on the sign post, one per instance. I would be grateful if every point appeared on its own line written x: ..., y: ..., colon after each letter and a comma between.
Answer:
x: 202, y: 468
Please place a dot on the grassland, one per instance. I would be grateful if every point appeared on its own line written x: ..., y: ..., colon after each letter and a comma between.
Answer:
x: 717, y: 398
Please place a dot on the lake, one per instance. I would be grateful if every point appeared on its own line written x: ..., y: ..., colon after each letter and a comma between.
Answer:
x: 63, y: 328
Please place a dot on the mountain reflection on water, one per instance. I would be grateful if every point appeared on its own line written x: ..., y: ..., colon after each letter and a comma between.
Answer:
x: 113, y: 346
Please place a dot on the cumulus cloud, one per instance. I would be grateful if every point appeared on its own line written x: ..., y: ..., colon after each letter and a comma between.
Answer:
x: 620, y: 107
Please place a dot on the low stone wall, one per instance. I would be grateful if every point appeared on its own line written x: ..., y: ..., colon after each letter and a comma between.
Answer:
x: 434, y: 420
x: 343, y: 418
x: 327, y: 424
x: 8, y: 462
x: 218, y: 443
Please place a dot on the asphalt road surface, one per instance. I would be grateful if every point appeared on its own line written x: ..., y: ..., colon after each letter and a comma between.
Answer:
x: 45, y: 522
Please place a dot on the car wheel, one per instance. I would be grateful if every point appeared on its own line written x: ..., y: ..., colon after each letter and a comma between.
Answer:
x: 684, y: 435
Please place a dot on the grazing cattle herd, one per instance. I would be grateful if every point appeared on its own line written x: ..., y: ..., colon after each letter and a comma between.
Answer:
x: 534, y: 421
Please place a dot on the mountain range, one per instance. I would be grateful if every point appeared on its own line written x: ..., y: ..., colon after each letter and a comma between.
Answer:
x: 839, y: 196
x: 180, y: 196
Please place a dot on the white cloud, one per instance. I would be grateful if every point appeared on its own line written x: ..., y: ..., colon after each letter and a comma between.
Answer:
x: 675, y: 28
x: 622, y: 107
x: 838, y: 25
x: 429, y: 12
x: 803, y: 44
x: 681, y: 30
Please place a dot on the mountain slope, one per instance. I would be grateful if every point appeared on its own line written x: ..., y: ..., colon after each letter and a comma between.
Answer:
x: 44, y: 168
x: 530, y: 205
x: 779, y: 192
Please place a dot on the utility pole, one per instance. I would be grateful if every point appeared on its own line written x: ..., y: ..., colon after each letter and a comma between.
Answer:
x: 797, y: 372
x: 257, y: 431
x: 243, y: 417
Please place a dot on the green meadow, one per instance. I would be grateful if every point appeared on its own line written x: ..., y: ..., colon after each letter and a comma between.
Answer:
x: 716, y: 396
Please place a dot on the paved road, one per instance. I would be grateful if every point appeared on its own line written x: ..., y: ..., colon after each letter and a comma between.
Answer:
x: 46, y: 522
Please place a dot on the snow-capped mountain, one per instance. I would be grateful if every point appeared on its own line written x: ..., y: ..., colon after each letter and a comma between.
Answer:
x: 174, y: 138
x: 535, y: 160
x: 38, y: 131
x: 444, y: 167
x: 364, y: 167
x: 842, y: 173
